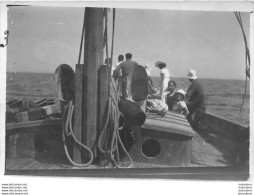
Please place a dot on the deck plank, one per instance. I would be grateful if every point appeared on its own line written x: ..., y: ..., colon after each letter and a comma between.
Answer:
x: 205, y: 154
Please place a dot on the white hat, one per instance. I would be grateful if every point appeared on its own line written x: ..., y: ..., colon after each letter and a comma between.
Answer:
x: 192, y: 74
x: 180, y: 91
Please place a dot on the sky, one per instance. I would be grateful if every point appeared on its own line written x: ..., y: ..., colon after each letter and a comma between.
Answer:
x: 41, y: 38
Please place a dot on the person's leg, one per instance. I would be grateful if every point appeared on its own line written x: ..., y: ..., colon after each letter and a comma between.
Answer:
x: 128, y: 85
x: 162, y: 91
x: 124, y: 89
x: 119, y: 86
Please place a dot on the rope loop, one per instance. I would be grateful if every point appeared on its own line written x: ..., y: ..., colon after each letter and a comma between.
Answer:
x: 68, y: 131
x: 247, y: 53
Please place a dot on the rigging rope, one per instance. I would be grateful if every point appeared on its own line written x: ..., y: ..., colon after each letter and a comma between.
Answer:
x: 113, y: 34
x: 68, y: 131
x: 247, y: 53
x: 106, y: 34
x: 82, y: 38
x: 111, y: 125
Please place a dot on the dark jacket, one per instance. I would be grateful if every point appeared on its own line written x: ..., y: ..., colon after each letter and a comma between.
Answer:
x: 170, y: 100
x: 195, y: 96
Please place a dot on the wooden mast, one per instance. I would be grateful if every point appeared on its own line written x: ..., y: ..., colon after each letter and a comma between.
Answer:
x: 93, y: 59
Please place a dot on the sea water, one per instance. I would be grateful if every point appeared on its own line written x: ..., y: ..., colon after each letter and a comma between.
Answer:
x: 223, y: 97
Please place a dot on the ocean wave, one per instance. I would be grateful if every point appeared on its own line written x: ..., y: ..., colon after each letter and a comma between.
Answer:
x: 223, y: 97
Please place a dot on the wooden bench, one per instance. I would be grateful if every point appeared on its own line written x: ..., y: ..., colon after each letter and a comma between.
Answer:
x: 164, y: 140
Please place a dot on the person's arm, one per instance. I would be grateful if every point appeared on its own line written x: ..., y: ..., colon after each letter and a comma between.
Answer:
x: 150, y: 80
x: 184, y: 108
x: 119, y: 67
x: 116, y: 72
x: 248, y: 71
x: 189, y: 92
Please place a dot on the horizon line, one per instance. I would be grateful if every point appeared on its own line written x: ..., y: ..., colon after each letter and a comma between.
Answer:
x: 151, y: 76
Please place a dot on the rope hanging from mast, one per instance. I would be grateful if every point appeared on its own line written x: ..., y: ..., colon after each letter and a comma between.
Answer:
x: 113, y: 34
x: 111, y: 127
x: 82, y: 39
x: 105, y: 41
x: 247, y: 53
x: 68, y: 131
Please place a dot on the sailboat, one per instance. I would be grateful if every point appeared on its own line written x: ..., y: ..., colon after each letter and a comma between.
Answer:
x: 87, y: 139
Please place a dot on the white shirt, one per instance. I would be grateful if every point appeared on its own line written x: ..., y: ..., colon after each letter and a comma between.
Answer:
x: 114, y: 67
x: 165, y: 72
x: 148, y: 72
x: 180, y: 107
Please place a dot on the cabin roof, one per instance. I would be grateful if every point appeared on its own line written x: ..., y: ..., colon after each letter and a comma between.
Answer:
x: 170, y: 123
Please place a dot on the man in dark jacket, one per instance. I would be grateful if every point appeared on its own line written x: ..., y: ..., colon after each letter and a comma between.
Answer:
x: 195, y: 98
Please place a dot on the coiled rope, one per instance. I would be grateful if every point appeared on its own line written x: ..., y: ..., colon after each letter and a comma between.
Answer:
x: 111, y: 127
x: 247, y: 53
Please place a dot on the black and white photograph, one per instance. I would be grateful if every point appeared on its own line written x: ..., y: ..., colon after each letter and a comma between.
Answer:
x: 111, y: 91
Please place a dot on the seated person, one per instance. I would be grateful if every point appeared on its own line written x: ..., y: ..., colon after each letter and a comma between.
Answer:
x: 180, y: 105
x: 171, y: 94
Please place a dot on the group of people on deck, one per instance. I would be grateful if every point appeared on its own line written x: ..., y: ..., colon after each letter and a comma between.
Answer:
x: 189, y: 103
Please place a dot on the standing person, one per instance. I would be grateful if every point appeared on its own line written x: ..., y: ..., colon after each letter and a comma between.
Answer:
x: 195, y: 98
x: 148, y: 72
x: 150, y: 82
x: 164, y: 78
x: 171, y: 94
x: 107, y: 61
x: 118, y: 78
x: 120, y: 60
x: 127, y: 68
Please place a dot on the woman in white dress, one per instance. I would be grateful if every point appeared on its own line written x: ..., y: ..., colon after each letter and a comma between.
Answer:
x: 164, y: 78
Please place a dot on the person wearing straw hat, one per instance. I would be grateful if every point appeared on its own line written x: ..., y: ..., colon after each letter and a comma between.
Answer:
x: 180, y: 105
x: 195, y: 98
x: 164, y: 75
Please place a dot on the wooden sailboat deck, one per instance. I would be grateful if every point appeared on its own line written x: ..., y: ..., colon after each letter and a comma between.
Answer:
x: 203, y: 153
